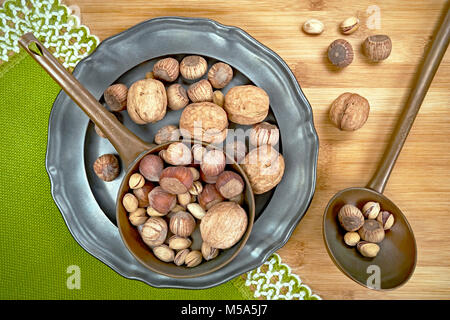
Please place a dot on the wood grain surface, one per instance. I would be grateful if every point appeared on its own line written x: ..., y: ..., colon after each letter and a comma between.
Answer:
x: 420, y: 182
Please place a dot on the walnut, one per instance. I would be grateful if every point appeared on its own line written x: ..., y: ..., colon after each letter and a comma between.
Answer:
x: 246, y: 104
x: 349, y: 111
x: 147, y: 101
x: 204, y: 121
x: 264, y: 167
x: 223, y: 225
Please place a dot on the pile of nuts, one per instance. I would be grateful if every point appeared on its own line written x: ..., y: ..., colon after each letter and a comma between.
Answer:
x: 206, y: 113
x: 366, y: 228
x: 169, y: 199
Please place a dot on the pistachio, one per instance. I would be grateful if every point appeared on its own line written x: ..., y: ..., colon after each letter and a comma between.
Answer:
x: 386, y: 219
x: 349, y: 25
x: 352, y: 238
x: 179, y: 243
x: 313, y: 26
x: 196, y: 210
x: 138, y: 217
x: 164, y: 253
x: 180, y: 257
x: 371, y: 210
x: 367, y: 249
x: 193, y: 259
x: 209, y: 252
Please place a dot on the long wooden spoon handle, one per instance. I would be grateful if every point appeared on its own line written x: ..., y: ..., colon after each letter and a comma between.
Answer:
x: 423, y: 82
x: 128, y: 145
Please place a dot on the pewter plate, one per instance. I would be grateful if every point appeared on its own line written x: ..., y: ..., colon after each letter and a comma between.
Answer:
x: 88, y: 204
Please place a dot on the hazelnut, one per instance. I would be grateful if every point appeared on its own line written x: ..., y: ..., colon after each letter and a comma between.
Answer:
x: 218, y: 98
x: 136, y: 181
x: 246, y: 104
x: 193, y: 259
x: 176, y: 180
x: 204, y: 121
x: 352, y: 238
x: 151, y: 167
x: 193, y: 67
x: 164, y: 253
x: 220, y: 75
x: 264, y: 167
x: 138, y: 217
x: 180, y: 257
x: 371, y: 231
x: 371, y: 210
x: 377, y: 47
x: 177, y: 97
x: 177, y: 154
x: 213, y: 163
x: 196, y: 210
x: 106, y: 167
x: 313, y: 26
x: 153, y: 213
x: 196, y: 188
x: 179, y: 243
x: 198, y: 152
x: 166, y: 69
x: 349, y: 112
x: 209, y: 252
x: 386, y: 219
x: 182, y: 224
x: 184, y: 199
x: 208, y: 179
x: 161, y: 200
x: 200, y: 91
x: 367, y: 249
x: 195, y: 173
x: 237, y: 150
x: 142, y: 194
x: 340, y: 53
x: 350, y: 217
x: 209, y: 197
x: 167, y: 134
x: 149, y: 75
x: 116, y: 97
x: 130, y: 202
x: 264, y: 133
x: 154, y: 231
x: 349, y: 25
x: 229, y: 184
x: 239, y: 199
x: 147, y: 101
x: 223, y: 225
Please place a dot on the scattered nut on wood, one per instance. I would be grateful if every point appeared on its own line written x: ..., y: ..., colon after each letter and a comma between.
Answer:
x: 340, y: 53
x: 313, y: 26
x: 377, y: 47
x: 349, y: 112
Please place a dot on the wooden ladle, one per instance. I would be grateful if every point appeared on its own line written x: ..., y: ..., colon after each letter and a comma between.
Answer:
x: 396, y: 261
x: 131, y: 150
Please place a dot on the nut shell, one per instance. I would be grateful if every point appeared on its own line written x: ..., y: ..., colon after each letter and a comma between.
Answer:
x: 371, y: 210
x: 147, y: 101
x: 177, y: 154
x: 209, y: 252
x: 350, y: 217
x: 220, y: 75
x: 142, y: 194
x: 154, y: 231
x: 130, y: 202
x: 164, y: 253
x: 349, y: 112
x: 264, y: 167
x: 193, y: 259
x: 313, y: 26
x: 349, y: 25
x: 200, y: 91
x: 223, y: 225
x: 196, y: 187
x: 377, y: 47
x: 386, y: 219
x: 166, y: 69
x: 367, y: 249
x: 340, y: 53
x: 182, y: 224
x: 136, y: 181
x: 106, y: 167
x: 166, y: 134
x: 352, y: 238
x: 193, y: 67
x: 177, y: 97
x: 138, y: 217
x: 204, y: 121
x: 176, y: 180
x: 196, y: 210
x: 161, y: 200
x: 180, y: 257
x: 371, y: 231
x: 179, y: 243
x: 116, y: 97
x: 246, y: 104
x: 151, y: 167
x: 264, y: 133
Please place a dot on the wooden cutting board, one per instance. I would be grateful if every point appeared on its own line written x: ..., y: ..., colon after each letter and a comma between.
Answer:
x: 420, y: 182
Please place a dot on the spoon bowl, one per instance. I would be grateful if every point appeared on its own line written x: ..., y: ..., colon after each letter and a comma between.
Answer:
x: 397, y: 258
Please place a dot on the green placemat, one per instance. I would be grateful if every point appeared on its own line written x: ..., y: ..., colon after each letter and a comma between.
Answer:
x: 39, y: 257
